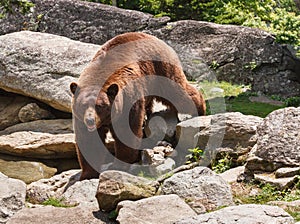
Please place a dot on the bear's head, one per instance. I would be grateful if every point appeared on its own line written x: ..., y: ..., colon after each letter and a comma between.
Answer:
x: 93, y: 107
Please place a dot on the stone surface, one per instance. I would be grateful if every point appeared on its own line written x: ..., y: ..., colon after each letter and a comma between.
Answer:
x: 250, y: 214
x: 12, y: 197
x: 233, y: 174
x: 280, y: 183
x: 226, y: 47
x: 81, y: 192
x: 286, y: 204
x: 33, y: 112
x: 214, y: 133
x: 117, y: 186
x: 38, y: 145
x: 278, y: 142
x: 158, y: 209
x: 287, y: 172
x: 54, y: 187
x: 9, y: 108
x: 42, y: 66
x: 87, y: 22
x: 57, y: 126
x: 88, y: 214
x: 200, y: 187
x: 27, y: 171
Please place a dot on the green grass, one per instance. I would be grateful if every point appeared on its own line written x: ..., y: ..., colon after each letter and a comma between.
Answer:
x: 226, y: 97
x: 57, y: 203
x: 266, y: 193
x: 242, y: 104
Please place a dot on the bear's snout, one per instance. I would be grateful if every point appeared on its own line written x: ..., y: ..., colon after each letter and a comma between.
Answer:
x: 89, y: 119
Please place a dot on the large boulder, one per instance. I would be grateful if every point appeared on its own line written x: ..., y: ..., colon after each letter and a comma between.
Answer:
x: 117, y: 186
x: 236, y: 54
x: 38, y: 145
x: 275, y: 158
x: 157, y: 209
x: 250, y: 214
x: 42, y: 66
x: 200, y: 187
x: 79, y: 20
x: 278, y: 142
x: 231, y: 133
x: 12, y: 197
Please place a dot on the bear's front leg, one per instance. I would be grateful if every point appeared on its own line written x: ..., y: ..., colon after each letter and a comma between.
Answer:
x: 91, y: 151
x: 131, y: 153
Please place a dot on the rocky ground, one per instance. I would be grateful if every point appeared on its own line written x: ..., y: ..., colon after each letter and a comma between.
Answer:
x: 38, y: 164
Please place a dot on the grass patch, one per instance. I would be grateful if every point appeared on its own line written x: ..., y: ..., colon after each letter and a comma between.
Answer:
x: 57, y: 203
x: 250, y: 193
x: 227, y: 97
x: 242, y: 104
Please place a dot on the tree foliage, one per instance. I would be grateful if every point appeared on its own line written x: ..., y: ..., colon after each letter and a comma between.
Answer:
x: 10, y: 6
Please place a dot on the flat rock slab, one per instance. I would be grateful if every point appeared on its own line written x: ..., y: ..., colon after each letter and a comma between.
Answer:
x: 38, y: 145
x: 242, y: 214
x: 27, y: 171
x: 12, y: 197
x: 42, y: 65
x: 200, y: 187
x: 53, y: 215
x: 56, y: 126
x: 158, y: 209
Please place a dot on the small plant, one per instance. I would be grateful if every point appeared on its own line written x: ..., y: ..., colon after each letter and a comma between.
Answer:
x: 195, y: 155
x: 214, y: 65
x: 113, y: 215
x: 251, y: 65
x: 292, y: 101
x: 57, y: 202
x: 223, y: 164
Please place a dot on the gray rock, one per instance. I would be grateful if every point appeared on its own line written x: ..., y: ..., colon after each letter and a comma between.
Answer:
x: 233, y: 174
x: 9, y: 109
x: 117, y: 186
x: 87, y: 214
x: 286, y: 204
x: 80, y: 20
x: 214, y: 133
x: 12, y: 197
x: 226, y: 48
x: 158, y: 209
x: 200, y: 187
x: 287, y: 172
x: 81, y: 192
x: 57, y: 126
x: 26, y: 69
x: 54, y: 187
x: 280, y: 183
x: 38, y: 145
x: 33, y: 112
x: 250, y: 214
x: 278, y: 142
x: 27, y: 171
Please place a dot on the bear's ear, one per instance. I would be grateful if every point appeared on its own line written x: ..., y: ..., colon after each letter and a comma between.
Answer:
x: 74, y: 87
x: 112, y: 91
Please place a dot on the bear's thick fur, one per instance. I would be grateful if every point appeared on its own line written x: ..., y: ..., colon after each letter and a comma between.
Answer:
x: 119, y: 85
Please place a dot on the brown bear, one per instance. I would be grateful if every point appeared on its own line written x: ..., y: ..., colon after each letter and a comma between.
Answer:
x: 115, y: 93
